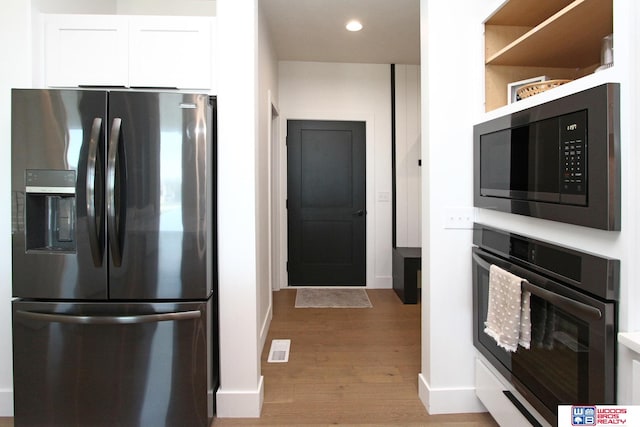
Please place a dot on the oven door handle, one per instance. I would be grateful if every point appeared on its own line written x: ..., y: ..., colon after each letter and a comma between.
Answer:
x: 576, y: 308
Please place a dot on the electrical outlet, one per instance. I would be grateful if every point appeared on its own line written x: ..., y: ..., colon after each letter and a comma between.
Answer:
x: 459, y: 218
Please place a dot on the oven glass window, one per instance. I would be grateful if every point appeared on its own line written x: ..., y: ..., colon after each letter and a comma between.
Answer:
x: 556, y: 367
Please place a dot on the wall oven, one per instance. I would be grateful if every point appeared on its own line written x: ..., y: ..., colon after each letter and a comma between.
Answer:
x: 558, y: 160
x: 573, y: 321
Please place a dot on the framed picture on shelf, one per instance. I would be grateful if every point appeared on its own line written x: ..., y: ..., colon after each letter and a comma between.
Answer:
x: 513, y: 87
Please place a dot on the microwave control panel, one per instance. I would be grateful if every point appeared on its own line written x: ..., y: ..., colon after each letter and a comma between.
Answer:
x: 573, y: 152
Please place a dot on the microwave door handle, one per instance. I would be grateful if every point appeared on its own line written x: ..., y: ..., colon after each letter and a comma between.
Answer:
x: 570, y: 306
x: 92, y: 158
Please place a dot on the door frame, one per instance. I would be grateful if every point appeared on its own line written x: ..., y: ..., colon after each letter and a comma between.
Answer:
x: 282, y: 255
x: 273, y: 129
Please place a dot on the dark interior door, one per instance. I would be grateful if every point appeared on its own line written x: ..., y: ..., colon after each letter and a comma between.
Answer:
x: 326, y: 202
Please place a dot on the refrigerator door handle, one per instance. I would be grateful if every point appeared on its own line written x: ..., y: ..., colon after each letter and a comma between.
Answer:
x: 112, y: 158
x: 109, y: 320
x: 96, y: 251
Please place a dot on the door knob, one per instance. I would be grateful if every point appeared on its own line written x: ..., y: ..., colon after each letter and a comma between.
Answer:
x: 360, y: 212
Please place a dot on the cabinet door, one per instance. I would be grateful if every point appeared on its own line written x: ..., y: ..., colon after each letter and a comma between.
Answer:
x: 173, y: 52
x: 87, y: 50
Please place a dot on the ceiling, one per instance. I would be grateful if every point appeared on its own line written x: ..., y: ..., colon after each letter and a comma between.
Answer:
x: 314, y: 30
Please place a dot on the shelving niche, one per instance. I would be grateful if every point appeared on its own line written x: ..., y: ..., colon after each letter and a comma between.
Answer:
x: 528, y: 38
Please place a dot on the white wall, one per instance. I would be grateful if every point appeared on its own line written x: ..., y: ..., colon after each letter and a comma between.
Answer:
x: 359, y: 92
x: 452, y: 98
x: 267, y: 96
x: 241, y: 390
x: 408, y: 189
x: 15, y: 33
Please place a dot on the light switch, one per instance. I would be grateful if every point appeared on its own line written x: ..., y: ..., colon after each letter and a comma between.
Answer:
x: 459, y: 218
x: 384, y: 196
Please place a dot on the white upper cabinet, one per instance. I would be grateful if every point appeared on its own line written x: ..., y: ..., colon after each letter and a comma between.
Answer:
x: 86, y: 50
x: 129, y: 51
x: 170, y: 52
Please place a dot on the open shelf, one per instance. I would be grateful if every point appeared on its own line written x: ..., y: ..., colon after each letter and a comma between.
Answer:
x: 526, y: 12
x: 529, y: 38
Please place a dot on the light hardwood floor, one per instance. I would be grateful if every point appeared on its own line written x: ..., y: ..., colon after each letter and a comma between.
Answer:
x: 355, y: 367
x: 347, y: 367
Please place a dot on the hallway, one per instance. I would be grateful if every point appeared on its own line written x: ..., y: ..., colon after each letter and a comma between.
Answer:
x: 347, y: 367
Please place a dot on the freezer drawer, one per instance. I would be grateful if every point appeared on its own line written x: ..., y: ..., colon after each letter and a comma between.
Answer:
x: 107, y: 364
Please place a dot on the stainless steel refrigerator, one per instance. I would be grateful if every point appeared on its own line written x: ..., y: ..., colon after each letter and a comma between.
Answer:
x: 114, y: 272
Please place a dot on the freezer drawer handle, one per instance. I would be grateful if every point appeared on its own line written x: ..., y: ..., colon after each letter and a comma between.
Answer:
x: 114, y: 241
x: 92, y: 224
x: 109, y: 320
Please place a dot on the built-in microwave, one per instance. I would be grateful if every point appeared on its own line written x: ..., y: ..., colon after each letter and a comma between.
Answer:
x: 558, y: 161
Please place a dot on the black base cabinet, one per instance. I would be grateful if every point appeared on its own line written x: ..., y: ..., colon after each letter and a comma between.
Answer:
x: 406, y: 264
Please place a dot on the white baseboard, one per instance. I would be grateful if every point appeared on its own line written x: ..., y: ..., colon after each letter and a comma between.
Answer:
x: 381, y: 282
x: 240, y: 403
x: 6, y: 403
x: 264, y: 330
x: 461, y: 400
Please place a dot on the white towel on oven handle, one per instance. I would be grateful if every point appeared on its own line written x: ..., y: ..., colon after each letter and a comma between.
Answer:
x: 509, y: 310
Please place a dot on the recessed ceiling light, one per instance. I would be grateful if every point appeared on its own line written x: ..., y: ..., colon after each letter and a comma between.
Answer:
x: 354, y: 25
